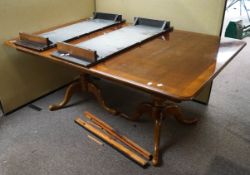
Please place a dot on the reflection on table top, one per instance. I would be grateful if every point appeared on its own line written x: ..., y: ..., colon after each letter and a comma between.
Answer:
x: 176, y: 67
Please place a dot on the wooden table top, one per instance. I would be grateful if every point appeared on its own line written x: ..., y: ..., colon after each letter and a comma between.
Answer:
x: 177, y: 67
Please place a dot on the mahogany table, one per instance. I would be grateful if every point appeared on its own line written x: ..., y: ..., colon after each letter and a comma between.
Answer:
x: 172, y: 68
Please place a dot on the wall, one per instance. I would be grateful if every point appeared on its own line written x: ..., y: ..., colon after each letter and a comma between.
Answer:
x: 203, y: 16
x: 24, y: 77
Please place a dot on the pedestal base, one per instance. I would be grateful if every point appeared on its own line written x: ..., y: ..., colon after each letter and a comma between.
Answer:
x: 159, y: 109
x: 83, y: 84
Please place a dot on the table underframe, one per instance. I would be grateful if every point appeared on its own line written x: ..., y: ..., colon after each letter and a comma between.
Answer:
x: 159, y: 108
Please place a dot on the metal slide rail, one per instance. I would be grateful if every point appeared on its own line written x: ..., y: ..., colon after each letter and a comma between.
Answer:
x: 68, y: 33
x: 114, y: 42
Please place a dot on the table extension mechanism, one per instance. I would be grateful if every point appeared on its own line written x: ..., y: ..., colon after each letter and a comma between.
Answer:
x: 93, y: 51
x: 47, y: 40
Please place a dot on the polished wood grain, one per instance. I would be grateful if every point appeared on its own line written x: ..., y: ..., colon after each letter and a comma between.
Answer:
x: 81, y: 53
x: 33, y: 38
x: 177, y: 67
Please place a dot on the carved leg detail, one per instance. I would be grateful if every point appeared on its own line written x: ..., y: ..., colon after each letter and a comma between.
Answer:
x: 176, y: 112
x: 157, y: 132
x: 76, y: 86
x: 97, y: 93
x: 84, y: 85
x: 159, y: 109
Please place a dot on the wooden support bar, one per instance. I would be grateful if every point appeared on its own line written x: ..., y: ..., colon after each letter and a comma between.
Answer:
x: 34, y: 38
x: 95, y: 140
x: 85, y: 54
x: 112, y: 142
x: 121, y: 138
x: 93, y: 124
